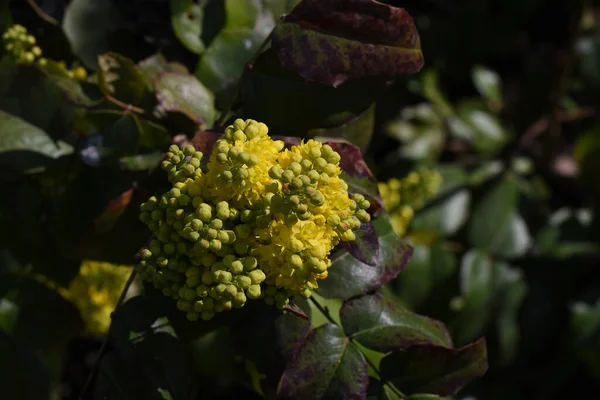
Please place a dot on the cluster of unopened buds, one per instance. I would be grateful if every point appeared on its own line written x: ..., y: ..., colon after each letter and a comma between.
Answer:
x: 256, y: 222
x: 401, y: 197
x: 22, y: 47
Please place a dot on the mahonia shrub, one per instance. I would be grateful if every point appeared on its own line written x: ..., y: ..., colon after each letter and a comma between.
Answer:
x: 258, y: 221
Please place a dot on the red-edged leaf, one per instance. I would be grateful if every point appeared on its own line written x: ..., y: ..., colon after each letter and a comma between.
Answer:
x: 331, y: 41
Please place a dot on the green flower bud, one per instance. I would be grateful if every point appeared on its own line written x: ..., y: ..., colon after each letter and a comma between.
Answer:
x: 196, y: 201
x: 257, y: 276
x: 306, y: 165
x: 222, y: 158
x: 202, y: 291
x: 273, y: 186
x: 297, y: 183
x: 193, y: 236
x: 237, y: 267
x: 223, y: 276
x: 239, y: 300
x: 231, y: 291
x: 239, y: 135
x: 243, y: 282
x: 253, y: 160
x: 319, y: 164
x: 333, y: 158
x: 208, y: 278
x: 227, y: 176
x: 184, y: 305
x: 314, y: 176
x: 207, y: 315
x: 334, y: 220
x: 215, y: 245
x: 296, y: 260
x: 250, y: 263
x: 287, y: 176
x: 363, y: 216
x: 330, y: 169
x: 204, y: 214
x: 275, y: 172
x: 146, y: 254
x: 290, y: 219
x: 253, y: 292
x: 169, y: 248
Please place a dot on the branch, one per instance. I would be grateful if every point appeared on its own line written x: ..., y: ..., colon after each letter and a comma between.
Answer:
x: 105, y: 341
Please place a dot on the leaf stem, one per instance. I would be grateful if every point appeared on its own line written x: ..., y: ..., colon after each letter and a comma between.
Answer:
x: 105, y: 341
x: 323, y: 310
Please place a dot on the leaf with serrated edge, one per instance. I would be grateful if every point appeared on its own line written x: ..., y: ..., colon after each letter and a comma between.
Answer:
x: 380, y: 323
x: 327, y: 366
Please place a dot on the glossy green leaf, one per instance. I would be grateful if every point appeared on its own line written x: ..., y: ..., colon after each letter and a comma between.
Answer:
x: 488, y: 84
x: 428, y: 267
x: 242, y: 15
x: 513, y: 289
x: 332, y: 41
x: 223, y: 62
x: 178, y: 92
x: 86, y: 24
x: 379, y: 322
x: 482, y: 128
x: 349, y: 277
x: 434, y: 369
x: 327, y: 366
x: 493, y: 216
x: 358, y: 129
x: 477, y: 274
x: 186, y: 18
x: 24, y: 146
x: 70, y: 87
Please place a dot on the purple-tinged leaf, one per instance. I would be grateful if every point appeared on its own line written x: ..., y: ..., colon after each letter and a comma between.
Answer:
x: 292, y: 329
x: 119, y: 77
x: 349, y: 277
x: 366, y: 246
x: 356, y: 173
x: 182, y: 93
x: 435, y: 369
x: 379, y: 322
x: 327, y: 366
x: 331, y: 41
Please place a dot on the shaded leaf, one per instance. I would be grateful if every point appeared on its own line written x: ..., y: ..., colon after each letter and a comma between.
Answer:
x: 357, y: 129
x: 332, y: 41
x: 119, y: 77
x: 366, y: 246
x: 349, y: 277
x: 327, y: 366
x: 183, y: 93
x: 223, y: 62
x: 379, y: 322
x: 153, y: 351
x: 69, y: 86
x: 22, y: 374
x: 434, y: 369
x: 86, y: 24
x: 429, y: 267
x: 292, y: 330
x: 24, y: 146
x: 186, y: 18
x: 488, y: 84
x: 493, y: 215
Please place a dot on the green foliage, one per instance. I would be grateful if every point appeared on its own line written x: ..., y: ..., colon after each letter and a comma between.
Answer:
x: 504, y: 251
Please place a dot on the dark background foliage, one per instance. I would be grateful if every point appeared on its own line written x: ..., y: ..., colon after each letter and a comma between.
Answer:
x: 505, y: 108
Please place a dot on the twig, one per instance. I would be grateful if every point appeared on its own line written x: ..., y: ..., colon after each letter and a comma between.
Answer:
x: 551, y: 144
x: 127, y: 107
x: 323, y: 310
x: 41, y: 13
x: 540, y: 126
x: 105, y: 341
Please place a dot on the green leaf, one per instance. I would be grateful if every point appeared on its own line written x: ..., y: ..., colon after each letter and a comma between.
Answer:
x: 433, y: 369
x: 349, y: 277
x: 513, y: 288
x: 120, y: 78
x: 477, y: 287
x: 179, y: 92
x: 327, y: 366
x: 494, y: 221
x: 357, y: 129
x: 223, y: 62
x: 69, y: 86
x: 87, y: 24
x: 488, y: 84
x: 332, y: 41
x: 379, y: 322
x: 445, y: 218
x: 428, y: 267
x: 186, y: 18
x: 22, y: 374
x: 24, y: 146
x: 242, y: 15
x: 482, y: 128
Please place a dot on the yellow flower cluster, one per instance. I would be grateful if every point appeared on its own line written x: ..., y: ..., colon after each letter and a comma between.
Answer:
x: 94, y: 291
x: 21, y: 46
x: 401, y: 197
x: 259, y: 221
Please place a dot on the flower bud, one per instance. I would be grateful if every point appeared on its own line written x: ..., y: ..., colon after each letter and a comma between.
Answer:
x: 253, y: 292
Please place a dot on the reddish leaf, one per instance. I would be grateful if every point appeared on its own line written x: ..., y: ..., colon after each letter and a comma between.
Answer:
x: 113, y: 211
x: 435, y: 369
x: 366, y: 246
x: 331, y: 41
